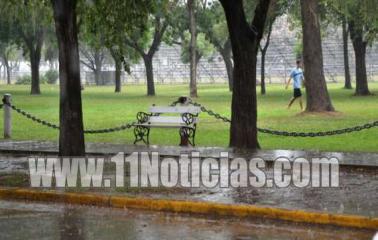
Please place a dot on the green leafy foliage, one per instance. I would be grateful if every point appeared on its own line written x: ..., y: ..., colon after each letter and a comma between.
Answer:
x: 362, y: 14
x: 28, y: 20
x: 51, y: 76
x: 23, y: 80
x: 107, y: 23
x: 204, y: 47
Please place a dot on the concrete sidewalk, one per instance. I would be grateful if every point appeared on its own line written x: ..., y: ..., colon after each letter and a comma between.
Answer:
x: 44, y: 147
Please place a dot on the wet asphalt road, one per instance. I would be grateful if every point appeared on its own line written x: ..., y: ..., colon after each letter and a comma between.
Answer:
x: 20, y: 220
x: 357, y: 193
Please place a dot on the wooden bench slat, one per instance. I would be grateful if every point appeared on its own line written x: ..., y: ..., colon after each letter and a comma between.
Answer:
x: 177, y: 109
x: 167, y: 120
x: 159, y: 125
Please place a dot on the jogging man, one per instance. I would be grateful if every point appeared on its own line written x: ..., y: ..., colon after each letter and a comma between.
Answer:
x: 298, y: 77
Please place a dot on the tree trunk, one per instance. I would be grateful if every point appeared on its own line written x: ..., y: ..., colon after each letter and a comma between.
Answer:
x: 97, y: 76
x: 71, y: 134
x: 226, y: 53
x: 98, y: 68
x: 230, y: 72
x: 348, y: 81
x: 245, y: 42
x: 263, y: 88
x: 9, y: 75
x: 35, y: 58
x: 359, y: 45
x: 263, y: 56
x: 118, y: 69
x: 35, y: 49
x: 149, y: 74
x: 193, y: 48
x: 318, y: 99
x: 7, y: 69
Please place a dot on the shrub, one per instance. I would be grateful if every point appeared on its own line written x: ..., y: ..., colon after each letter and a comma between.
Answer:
x: 24, y: 80
x: 42, y: 79
x: 51, y: 76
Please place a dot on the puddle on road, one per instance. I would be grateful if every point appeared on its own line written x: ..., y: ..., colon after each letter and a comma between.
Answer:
x: 20, y: 220
x: 357, y: 194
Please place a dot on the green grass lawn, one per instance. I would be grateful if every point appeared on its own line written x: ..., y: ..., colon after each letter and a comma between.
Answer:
x: 103, y: 108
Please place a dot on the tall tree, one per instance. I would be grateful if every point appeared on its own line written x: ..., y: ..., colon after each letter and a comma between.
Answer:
x: 110, y: 35
x: 7, y: 47
x: 359, y: 45
x: 318, y: 99
x: 93, y: 58
x: 117, y: 57
x: 92, y: 44
x: 147, y: 42
x: 277, y: 9
x: 191, y: 4
x: 263, y: 50
x: 188, y: 18
x: 212, y: 22
x: 245, y: 40
x: 29, y: 21
x: 348, y: 79
x: 71, y: 134
x: 334, y: 16
x: 363, y: 25
x: 51, y: 51
x: 204, y: 48
x: 7, y: 55
x: 131, y: 31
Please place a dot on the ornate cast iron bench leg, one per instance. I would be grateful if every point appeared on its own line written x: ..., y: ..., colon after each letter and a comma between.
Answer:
x: 142, y: 133
x: 187, y: 136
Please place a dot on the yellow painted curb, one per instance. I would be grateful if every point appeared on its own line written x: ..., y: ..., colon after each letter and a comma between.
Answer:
x: 206, y: 208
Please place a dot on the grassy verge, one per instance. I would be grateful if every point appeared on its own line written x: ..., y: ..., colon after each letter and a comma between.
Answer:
x: 103, y: 108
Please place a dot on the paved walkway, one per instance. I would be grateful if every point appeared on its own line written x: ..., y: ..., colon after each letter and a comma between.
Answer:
x: 43, y: 147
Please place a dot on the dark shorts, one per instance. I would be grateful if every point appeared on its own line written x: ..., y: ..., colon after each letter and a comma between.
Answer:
x: 297, y: 93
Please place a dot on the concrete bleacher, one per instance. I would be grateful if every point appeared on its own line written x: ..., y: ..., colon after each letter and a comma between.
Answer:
x: 280, y: 59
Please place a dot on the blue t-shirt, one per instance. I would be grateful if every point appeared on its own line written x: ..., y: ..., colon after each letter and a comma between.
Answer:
x: 297, y: 76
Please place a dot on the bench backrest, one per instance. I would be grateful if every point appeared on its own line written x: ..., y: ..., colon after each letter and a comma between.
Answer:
x: 176, y: 109
x: 169, y: 120
x: 175, y: 115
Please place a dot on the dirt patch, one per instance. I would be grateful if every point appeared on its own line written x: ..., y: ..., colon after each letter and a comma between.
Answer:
x: 321, y: 114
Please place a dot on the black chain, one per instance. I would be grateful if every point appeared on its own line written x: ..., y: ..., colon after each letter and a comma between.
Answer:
x: 111, y: 130
x: 320, y: 134
x: 54, y: 126
x: 211, y: 113
x: 31, y: 117
x: 293, y: 134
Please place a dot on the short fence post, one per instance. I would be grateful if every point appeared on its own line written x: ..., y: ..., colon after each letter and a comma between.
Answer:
x: 7, y: 116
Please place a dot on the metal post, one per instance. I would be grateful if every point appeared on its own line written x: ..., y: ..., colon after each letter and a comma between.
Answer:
x: 7, y: 116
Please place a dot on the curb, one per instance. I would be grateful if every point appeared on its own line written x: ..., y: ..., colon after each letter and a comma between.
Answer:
x: 192, y: 207
x: 31, y: 148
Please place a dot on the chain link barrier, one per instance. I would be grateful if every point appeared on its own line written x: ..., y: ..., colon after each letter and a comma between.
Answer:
x: 31, y: 117
x: 54, y: 126
x: 210, y: 113
x: 291, y: 134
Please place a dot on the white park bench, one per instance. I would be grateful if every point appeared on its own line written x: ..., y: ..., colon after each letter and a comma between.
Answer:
x: 184, y: 118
